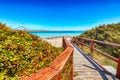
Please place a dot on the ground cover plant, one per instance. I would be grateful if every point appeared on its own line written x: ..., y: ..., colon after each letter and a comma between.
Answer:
x: 22, y: 53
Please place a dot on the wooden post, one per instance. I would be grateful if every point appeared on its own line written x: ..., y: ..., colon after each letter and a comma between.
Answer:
x: 59, y: 76
x: 118, y: 69
x: 91, y: 48
x: 71, y: 72
x: 63, y: 42
x: 82, y: 44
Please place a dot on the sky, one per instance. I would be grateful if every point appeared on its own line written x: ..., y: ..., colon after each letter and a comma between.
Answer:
x: 59, y: 14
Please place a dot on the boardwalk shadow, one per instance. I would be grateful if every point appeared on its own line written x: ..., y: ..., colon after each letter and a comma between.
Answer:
x: 102, y: 72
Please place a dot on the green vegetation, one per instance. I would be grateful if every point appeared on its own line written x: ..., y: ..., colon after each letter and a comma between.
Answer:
x: 22, y: 53
x: 106, y: 33
x: 66, y: 72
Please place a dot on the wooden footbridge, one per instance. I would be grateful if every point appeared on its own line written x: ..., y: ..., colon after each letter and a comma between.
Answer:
x: 83, y: 67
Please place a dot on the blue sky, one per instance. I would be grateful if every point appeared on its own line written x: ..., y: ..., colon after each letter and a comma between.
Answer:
x: 59, y: 14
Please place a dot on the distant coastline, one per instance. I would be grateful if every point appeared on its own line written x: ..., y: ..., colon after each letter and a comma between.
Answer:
x: 50, y: 34
x: 37, y: 31
x: 52, y: 31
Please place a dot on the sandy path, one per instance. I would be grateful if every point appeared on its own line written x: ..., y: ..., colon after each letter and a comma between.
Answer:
x: 57, y: 42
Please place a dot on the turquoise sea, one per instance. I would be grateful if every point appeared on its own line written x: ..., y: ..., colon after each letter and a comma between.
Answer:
x: 46, y: 34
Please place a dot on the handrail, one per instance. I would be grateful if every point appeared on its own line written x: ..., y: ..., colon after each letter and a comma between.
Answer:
x: 103, y: 53
x: 107, y: 55
x: 97, y: 41
x: 53, y: 72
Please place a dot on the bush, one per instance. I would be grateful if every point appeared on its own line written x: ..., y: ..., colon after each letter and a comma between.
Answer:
x: 22, y: 53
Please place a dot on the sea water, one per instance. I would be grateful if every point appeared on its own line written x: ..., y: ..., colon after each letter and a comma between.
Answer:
x: 47, y: 34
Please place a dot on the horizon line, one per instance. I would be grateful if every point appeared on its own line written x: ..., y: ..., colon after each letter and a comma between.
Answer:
x: 55, y: 30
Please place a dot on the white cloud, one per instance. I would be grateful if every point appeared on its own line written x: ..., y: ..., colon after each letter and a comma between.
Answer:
x: 19, y: 25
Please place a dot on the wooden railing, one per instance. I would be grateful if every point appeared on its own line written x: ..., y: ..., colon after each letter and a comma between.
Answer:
x: 53, y: 72
x: 91, y: 46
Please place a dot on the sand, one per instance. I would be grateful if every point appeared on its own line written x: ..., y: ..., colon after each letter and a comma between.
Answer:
x: 57, y: 41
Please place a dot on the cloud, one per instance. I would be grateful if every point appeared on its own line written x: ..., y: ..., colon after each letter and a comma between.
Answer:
x: 19, y: 25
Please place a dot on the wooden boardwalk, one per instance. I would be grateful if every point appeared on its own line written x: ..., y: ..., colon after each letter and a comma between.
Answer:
x: 86, y: 69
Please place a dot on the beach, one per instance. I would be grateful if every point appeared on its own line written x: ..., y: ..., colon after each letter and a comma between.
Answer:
x: 57, y: 41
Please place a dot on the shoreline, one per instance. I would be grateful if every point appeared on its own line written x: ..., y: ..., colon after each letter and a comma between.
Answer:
x: 54, y: 31
x: 49, y: 35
